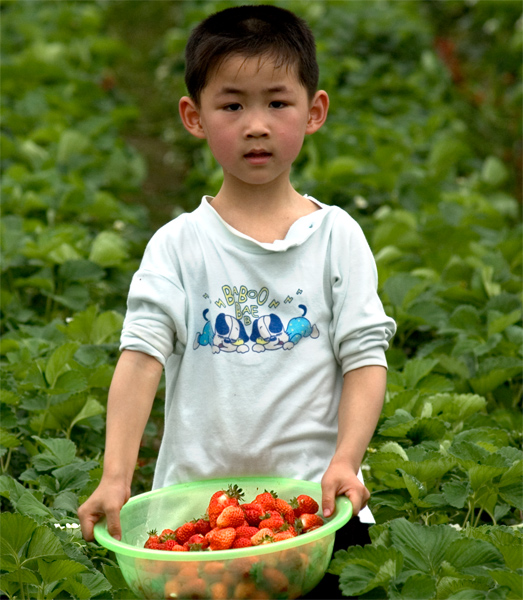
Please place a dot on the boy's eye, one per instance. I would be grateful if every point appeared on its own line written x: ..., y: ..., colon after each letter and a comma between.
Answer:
x: 277, y: 104
x: 233, y: 107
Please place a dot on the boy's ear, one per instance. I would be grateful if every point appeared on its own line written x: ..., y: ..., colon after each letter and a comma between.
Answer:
x: 190, y: 115
x: 318, y: 111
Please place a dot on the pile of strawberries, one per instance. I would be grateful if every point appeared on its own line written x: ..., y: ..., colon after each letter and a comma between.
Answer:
x: 229, y: 523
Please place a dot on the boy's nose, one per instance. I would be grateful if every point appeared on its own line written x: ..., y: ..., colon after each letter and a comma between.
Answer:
x: 256, y: 127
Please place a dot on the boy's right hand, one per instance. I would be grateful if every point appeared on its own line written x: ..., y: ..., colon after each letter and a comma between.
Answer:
x: 107, y: 500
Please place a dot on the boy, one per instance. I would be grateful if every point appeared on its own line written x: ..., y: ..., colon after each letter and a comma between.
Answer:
x: 261, y: 304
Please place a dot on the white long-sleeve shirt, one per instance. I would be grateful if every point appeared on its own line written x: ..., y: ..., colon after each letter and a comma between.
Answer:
x: 255, y: 339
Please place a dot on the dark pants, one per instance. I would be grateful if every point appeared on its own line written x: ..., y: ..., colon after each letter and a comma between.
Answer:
x: 354, y: 533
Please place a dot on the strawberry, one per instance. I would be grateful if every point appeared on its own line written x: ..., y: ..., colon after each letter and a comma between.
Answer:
x: 308, y: 522
x: 272, y: 519
x: 285, y: 510
x: 153, y: 538
x: 173, y: 546
x: 279, y: 536
x: 219, y: 500
x: 231, y: 516
x: 267, y: 500
x: 197, y: 540
x: 184, y: 532
x: 304, y: 504
x: 246, y: 531
x: 167, y: 534
x: 253, y: 513
x: 202, y: 525
x: 221, y: 539
x: 264, y: 536
x: 242, y: 542
x: 156, y: 546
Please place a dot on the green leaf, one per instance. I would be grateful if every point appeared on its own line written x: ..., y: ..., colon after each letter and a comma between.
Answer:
x: 11, y: 489
x: 456, y: 493
x: 106, y: 326
x: 59, y: 569
x: 59, y: 362
x: 473, y: 557
x: 479, y: 475
x: 413, y: 485
x: 416, y: 369
x: 27, y: 504
x: 514, y: 581
x: 108, y: 250
x: 429, y: 469
x: 90, y: 409
x: 72, y: 144
x: 494, y: 171
x: 513, y: 494
x: 418, y: 587
x: 368, y: 568
x: 15, y: 532
x: 59, y: 452
x: 95, y: 582
x: 21, y: 575
x: 501, y: 323
x: 456, y: 407
x: 422, y: 547
x: 8, y: 440
x: 44, y: 544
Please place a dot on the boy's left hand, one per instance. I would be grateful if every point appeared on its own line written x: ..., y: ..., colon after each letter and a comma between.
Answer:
x: 340, y: 479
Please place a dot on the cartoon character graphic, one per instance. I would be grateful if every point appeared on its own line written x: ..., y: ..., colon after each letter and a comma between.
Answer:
x: 229, y: 335
x: 299, y: 328
x: 268, y: 332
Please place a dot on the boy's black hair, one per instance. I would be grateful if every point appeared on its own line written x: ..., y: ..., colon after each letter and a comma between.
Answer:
x: 248, y: 31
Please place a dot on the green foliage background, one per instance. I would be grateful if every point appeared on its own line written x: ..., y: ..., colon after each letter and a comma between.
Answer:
x: 422, y: 147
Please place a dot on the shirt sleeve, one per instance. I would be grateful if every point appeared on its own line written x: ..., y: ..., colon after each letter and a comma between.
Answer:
x: 156, y: 305
x: 360, y: 329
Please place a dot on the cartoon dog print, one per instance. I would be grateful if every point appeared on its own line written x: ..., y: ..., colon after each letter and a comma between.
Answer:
x: 268, y: 333
x: 300, y: 327
x: 229, y: 335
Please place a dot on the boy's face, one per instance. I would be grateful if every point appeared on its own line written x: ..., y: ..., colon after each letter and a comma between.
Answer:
x: 254, y: 117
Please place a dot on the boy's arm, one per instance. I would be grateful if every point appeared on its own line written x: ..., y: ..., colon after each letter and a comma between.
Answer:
x: 360, y: 407
x: 131, y: 396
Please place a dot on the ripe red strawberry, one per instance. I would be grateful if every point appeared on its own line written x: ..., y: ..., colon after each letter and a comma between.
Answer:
x: 219, y: 500
x: 272, y: 519
x: 304, y: 504
x: 279, y: 536
x: 285, y: 510
x: 246, y: 531
x: 267, y: 500
x: 221, y: 539
x: 264, y: 536
x: 167, y: 534
x: 253, y: 513
x: 308, y: 522
x: 153, y: 538
x: 156, y: 546
x: 197, y: 542
x: 231, y: 516
x: 173, y: 546
x: 202, y: 525
x: 184, y: 532
x: 242, y: 542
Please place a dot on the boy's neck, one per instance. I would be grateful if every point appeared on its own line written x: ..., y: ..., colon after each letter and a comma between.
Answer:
x: 263, y: 212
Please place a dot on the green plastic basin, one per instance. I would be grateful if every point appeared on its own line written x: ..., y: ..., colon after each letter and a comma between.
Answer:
x: 286, y: 569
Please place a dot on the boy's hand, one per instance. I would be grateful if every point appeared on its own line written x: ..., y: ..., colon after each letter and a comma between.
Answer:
x: 107, y: 500
x: 340, y: 479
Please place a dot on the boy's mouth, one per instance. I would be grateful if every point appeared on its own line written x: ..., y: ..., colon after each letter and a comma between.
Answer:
x: 257, y: 157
